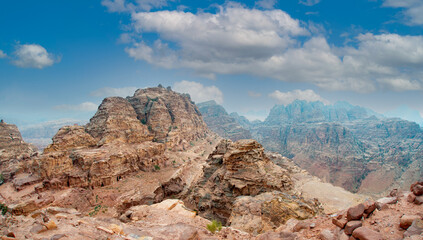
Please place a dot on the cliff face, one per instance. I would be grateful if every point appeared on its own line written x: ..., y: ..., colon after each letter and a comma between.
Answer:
x: 346, y: 145
x: 13, y: 150
x: 219, y: 121
x: 242, y: 169
x: 124, y: 136
x: 171, y: 117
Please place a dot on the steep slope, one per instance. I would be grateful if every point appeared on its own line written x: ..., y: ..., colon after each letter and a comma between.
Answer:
x: 218, y: 120
x: 124, y: 136
x: 349, y: 146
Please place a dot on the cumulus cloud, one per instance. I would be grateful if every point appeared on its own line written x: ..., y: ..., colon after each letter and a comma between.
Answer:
x: 199, y: 92
x: 266, y: 4
x: 2, y: 54
x: 271, y: 44
x: 412, y: 10
x: 309, y: 2
x: 286, y: 98
x: 83, y: 107
x: 134, y: 5
x: 33, y: 56
x: 112, y: 92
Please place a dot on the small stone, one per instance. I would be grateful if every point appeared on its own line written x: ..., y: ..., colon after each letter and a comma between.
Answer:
x: 355, y: 213
x: 38, y: 228
x: 411, y: 197
x: 116, y: 229
x: 105, y: 230
x: 10, y: 234
x: 7, y: 238
x: 369, y: 206
x: 343, y: 236
x: 57, y: 236
x: 351, y: 226
x: 363, y: 233
x: 383, y: 202
x: 326, y: 234
x: 407, y: 220
x: 51, y: 225
x: 417, y: 188
x: 418, y: 200
x: 339, y: 222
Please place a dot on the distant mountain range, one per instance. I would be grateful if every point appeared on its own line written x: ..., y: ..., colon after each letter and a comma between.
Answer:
x: 41, y: 134
x: 349, y: 146
x: 406, y: 113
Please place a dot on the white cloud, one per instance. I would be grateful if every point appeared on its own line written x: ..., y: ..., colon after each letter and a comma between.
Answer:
x: 412, y: 10
x: 266, y: 4
x: 271, y: 44
x: 134, y: 5
x: 33, y: 56
x: 286, y: 98
x: 309, y: 2
x: 199, y: 92
x: 2, y: 54
x: 83, y: 107
x: 113, y: 92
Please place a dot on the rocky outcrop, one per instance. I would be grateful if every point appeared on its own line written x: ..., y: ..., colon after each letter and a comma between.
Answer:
x: 219, y: 121
x: 270, y: 210
x: 124, y: 136
x: 14, y: 152
x: 171, y: 117
x: 235, y: 169
x: 346, y: 145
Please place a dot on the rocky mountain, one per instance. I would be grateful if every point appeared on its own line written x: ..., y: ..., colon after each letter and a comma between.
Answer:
x: 219, y: 121
x: 406, y: 113
x: 349, y: 146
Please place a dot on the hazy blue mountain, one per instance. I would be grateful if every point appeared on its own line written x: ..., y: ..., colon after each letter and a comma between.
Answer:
x: 406, y: 113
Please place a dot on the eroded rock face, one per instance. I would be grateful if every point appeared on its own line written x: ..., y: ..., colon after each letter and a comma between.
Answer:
x: 116, y: 120
x: 124, y: 136
x: 236, y: 169
x: 171, y: 117
x: 14, y: 152
x: 269, y: 210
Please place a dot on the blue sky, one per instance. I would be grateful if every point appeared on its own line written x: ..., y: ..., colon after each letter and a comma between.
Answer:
x: 59, y: 59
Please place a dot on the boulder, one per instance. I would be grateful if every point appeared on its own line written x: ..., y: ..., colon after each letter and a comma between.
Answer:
x: 363, y: 233
x: 339, y: 222
x: 369, y: 206
x: 417, y: 188
x: 416, y: 228
x: 351, y: 226
x: 326, y: 234
x: 382, y: 203
x: 356, y: 212
x: 407, y: 220
x: 418, y: 200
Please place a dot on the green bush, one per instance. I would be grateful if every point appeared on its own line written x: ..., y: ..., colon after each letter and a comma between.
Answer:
x: 214, y: 226
x: 3, y: 209
x: 1, y: 179
x: 156, y: 167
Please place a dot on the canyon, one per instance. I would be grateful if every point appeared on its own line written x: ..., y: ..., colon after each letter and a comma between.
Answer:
x: 148, y: 167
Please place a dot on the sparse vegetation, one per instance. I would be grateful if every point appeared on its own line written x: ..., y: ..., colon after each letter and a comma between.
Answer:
x: 156, y: 167
x: 97, y: 207
x: 1, y: 179
x: 214, y: 226
x: 3, y: 209
x: 144, y: 121
x: 191, y: 143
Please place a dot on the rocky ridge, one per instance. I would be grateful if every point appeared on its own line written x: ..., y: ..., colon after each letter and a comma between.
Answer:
x: 219, y: 121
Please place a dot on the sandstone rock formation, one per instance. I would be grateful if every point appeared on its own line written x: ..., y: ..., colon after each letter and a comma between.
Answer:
x: 14, y: 152
x: 349, y: 146
x: 124, y: 136
x: 219, y: 121
x: 237, y: 169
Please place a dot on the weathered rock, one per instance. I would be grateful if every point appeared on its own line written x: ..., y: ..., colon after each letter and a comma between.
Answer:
x: 235, y: 169
x: 382, y: 203
x: 417, y: 188
x: 363, y: 233
x: 418, y: 200
x: 339, y: 222
x: 356, y: 212
x: 38, y: 228
x: 369, y: 206
x: 57, y: 236
x: 416, y: 228
x: 327, y: 234
x: 171, y: 117
x: 411, y: 197
x: 51, y: 225
x: 407, y: 220
x: 300, y: 226
x: 351, y: 226
x: 70, y: 137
